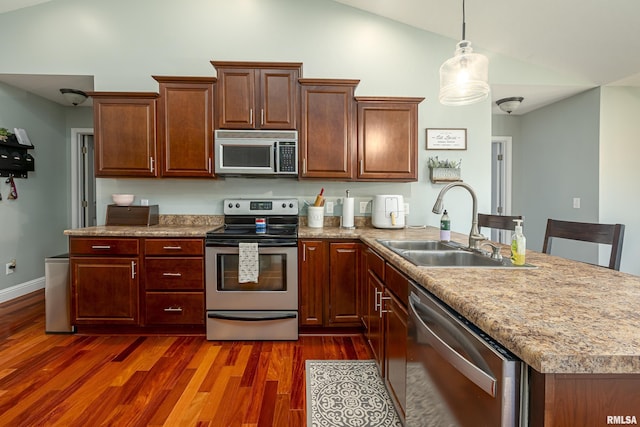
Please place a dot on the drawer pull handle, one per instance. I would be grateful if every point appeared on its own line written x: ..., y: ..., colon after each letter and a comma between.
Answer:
x: 173, y: 309
x: 172, y: 274
x: 101, y: 247
x: 172, y: 248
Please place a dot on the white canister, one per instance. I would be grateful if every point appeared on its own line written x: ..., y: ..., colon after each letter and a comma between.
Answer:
x: 315, y: 216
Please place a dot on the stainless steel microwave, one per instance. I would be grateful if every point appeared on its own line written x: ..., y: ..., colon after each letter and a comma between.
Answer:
x: 256, y: 152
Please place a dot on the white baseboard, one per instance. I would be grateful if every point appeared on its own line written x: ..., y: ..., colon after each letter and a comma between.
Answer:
x: 21, y: 289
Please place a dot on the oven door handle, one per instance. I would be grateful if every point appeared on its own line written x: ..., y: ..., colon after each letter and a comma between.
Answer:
x: 256, y: 317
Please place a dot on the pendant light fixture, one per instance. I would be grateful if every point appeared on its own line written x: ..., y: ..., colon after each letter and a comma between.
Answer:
x: 464, y: 78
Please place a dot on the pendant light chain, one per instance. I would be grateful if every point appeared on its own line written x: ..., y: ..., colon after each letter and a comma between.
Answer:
x: 463, y: 21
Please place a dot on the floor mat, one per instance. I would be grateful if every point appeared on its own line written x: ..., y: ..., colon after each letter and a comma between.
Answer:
x: 347, y: 393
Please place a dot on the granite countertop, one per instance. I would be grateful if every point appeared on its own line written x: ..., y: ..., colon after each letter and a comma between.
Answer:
x: 168, y: 226
x: 562, y: 317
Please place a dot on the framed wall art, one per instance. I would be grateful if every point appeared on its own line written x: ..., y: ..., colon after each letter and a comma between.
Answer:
x: 447, y: 139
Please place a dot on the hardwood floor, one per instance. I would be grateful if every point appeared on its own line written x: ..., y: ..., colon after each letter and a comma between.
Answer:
x: 74, y: 380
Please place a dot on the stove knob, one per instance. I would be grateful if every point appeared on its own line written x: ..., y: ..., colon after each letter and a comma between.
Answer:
x: 230, y: 205
x: 238, y: 205
x: 284, y: 205
x: 291, y: 205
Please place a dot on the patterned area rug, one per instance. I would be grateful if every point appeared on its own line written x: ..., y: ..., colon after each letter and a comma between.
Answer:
x: 343, y: 393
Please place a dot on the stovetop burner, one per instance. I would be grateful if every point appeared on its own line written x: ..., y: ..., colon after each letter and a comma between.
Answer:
x: 279, y: 216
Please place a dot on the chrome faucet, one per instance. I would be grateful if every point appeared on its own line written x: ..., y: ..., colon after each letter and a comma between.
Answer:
x: 474, y: 236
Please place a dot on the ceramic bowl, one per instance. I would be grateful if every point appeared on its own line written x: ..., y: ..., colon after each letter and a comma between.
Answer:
x: 122, y: 199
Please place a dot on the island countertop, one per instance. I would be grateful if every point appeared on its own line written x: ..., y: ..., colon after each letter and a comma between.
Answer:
x: 562, y: 317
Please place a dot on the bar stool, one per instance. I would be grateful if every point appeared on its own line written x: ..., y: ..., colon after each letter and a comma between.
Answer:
x: 609, y: 234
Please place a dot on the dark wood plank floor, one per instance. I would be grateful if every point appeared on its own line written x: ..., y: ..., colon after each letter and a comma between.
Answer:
x: 74, y: 380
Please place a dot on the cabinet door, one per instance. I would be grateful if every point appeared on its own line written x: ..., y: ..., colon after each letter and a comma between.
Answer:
x: 185, y: 126
x: 388, y: 138
x: 125, y: 134
x: 375, y: 290
x: 278, y: 104
x: 312, y: 279
x: 344, y: 268
x: 104, y: 290
x: 327, y: 129
x: 395, y: 344
x: 236, y: 98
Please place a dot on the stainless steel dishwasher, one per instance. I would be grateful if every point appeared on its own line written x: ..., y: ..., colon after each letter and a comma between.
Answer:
x: 57, y: 298
x: 456, y: 374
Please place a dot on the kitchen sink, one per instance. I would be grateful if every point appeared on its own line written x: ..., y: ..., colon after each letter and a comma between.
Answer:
x: 420, y: 245
x: 436, y: 254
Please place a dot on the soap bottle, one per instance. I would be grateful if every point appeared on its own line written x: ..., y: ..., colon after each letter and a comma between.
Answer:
x: 445, y: 227
x: 518, y: 244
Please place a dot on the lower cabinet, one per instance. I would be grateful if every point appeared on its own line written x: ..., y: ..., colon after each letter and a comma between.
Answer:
x: 137, y: 283
x: 104, y: 281
x: 329, y: 276
x: 174, y: 282
x: 385, y: 318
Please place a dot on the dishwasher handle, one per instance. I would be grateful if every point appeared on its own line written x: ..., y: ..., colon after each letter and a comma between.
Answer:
x: 472, y: 372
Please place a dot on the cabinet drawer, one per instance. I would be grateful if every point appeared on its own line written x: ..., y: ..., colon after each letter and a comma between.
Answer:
x: 176, y: 308
x: 103, y: 246
x: 174, y: 247
x: 174, y: 273
x: 398, y: 283
x: 375, y: 263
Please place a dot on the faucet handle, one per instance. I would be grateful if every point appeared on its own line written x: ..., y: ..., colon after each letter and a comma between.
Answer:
x: 495, y: 251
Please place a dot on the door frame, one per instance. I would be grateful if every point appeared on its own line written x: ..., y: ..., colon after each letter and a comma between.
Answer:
x: 501, y: 183
x: 77, y: 135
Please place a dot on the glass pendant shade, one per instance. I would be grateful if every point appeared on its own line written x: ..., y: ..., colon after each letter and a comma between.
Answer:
x: 464, y: 78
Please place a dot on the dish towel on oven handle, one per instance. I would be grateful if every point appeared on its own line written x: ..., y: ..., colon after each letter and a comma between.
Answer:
x: 248, y: 262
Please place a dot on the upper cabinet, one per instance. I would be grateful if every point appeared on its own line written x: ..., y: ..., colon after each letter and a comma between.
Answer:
x: 185, y: 126
x: 387, y: 138
x: 257, y: 95
x: 125, y: 134
x: 327, y: 138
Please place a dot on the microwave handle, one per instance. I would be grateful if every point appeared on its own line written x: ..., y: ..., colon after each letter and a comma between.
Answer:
x: 276, y: 156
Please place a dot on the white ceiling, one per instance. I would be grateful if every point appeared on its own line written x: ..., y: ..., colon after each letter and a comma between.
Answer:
x: 594, y: 40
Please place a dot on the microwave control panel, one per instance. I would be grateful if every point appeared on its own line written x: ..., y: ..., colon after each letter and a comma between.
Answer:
x: 287, y: 157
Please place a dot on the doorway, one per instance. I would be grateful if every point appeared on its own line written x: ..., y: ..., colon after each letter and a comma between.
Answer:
x: 501, y: 183
x: 83, y: 179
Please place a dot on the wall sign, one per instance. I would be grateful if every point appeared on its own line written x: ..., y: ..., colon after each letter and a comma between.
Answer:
x: 446, y: 139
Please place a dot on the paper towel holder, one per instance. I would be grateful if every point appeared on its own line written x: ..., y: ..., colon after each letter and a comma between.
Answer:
x: 348, y: 212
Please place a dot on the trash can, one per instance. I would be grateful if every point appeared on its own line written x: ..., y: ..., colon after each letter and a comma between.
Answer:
x: 57, y: 295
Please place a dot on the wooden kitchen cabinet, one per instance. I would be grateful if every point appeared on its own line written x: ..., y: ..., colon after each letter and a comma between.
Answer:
x: 125, y: 134
x: 104, y: 281
x: 344, y: 272
x: 387, y: 138
x: 327, y: 140
x: 185, y: 126
x: 174, y: 282
x: 373, y: 316
x: 311, y: 280
x: 257, y: 95
x: 328, y: 283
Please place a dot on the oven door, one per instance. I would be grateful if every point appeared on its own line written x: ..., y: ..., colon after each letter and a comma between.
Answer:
x: 276, y: 288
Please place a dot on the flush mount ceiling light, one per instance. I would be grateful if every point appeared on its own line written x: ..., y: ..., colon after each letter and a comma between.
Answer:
x: 508, y: 105
x: 464, y: 78
x: 74, y: 96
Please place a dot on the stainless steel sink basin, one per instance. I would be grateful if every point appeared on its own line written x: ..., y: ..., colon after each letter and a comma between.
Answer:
x: 419, y: 245
x: 436, y: 254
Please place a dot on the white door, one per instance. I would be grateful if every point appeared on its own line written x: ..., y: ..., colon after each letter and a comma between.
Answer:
x: 501, y: 183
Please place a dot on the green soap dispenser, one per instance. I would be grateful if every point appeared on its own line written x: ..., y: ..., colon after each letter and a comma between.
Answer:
x: 518, y: 244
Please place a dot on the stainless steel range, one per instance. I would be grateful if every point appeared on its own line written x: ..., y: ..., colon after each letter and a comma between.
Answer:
x: 251, y: 271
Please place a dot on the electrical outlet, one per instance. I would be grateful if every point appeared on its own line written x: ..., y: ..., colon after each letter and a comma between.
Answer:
x: 363, y: 207
x: 406, y: 208
x: 10, y: 267
x: 576, y: 202
x: 329, y: 206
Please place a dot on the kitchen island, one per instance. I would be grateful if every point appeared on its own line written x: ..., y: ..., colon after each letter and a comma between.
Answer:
x: 576, y: 326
